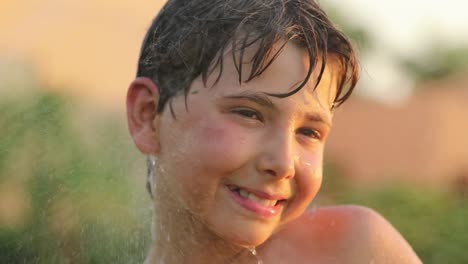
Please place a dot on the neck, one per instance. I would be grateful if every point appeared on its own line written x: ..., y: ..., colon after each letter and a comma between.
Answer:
x: 180, y: 237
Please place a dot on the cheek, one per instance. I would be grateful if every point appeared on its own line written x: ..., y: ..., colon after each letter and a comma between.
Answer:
x: 223, y: 145
x: 207, y: 154
x: 309, y: 178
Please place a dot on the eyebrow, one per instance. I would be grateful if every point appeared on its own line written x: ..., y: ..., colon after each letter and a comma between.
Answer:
x: 260, y: 99
x: 319, y: 118
x: 263, y: 100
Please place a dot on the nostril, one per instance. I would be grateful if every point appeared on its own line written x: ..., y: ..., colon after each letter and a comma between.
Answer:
x: 271, y: 172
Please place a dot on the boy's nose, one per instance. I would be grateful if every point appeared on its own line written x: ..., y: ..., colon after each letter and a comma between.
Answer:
x: 278, y: 157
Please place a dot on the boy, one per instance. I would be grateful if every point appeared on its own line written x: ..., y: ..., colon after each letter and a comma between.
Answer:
x: 232, y: 103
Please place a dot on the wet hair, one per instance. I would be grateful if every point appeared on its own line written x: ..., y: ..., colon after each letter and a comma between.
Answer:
x: 189, y: 38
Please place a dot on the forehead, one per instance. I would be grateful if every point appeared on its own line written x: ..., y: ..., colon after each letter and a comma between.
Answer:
x: 287, y: 72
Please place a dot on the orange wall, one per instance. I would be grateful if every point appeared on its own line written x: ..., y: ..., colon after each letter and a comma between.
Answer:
x: 88, y: 47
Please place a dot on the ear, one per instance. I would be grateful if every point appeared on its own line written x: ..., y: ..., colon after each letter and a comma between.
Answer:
x: 142, y: 115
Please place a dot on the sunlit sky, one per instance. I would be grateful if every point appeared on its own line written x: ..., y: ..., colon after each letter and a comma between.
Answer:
x: 403, y: 28
x: 407, y: 25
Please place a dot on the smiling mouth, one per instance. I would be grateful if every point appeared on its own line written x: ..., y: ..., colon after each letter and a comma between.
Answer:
x: 251, y: 196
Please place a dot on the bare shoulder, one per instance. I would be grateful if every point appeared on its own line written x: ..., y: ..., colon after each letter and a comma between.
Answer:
x: 347, y: 234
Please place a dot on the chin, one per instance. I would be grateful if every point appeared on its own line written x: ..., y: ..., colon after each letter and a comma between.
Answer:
x: 250, y: 242
x: 248, y: 236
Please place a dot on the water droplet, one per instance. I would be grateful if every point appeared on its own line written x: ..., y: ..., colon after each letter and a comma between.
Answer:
x: 254, y: 253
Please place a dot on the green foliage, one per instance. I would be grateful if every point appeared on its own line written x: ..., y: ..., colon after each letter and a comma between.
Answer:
x: 80, y: 204
x: 437, y: 63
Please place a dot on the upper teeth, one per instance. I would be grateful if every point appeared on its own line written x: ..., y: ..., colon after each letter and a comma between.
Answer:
x: 253, y: 197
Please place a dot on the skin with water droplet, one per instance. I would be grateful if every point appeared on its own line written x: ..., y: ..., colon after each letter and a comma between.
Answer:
x: 254, y: 253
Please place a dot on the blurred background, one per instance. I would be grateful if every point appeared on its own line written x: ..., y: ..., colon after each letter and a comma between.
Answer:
x: 72, y: 184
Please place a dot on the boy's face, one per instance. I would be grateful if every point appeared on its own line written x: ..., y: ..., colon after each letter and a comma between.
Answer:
x: 242, y: 162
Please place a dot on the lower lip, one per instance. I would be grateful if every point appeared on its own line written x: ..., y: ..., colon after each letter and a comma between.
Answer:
x: 260, y: 210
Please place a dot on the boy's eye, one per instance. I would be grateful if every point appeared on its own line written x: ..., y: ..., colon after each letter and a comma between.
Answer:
x: 308, y: 132
x: 252, y: 114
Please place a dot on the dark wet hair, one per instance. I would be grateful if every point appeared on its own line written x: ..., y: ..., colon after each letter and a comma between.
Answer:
x: 188, y: 38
